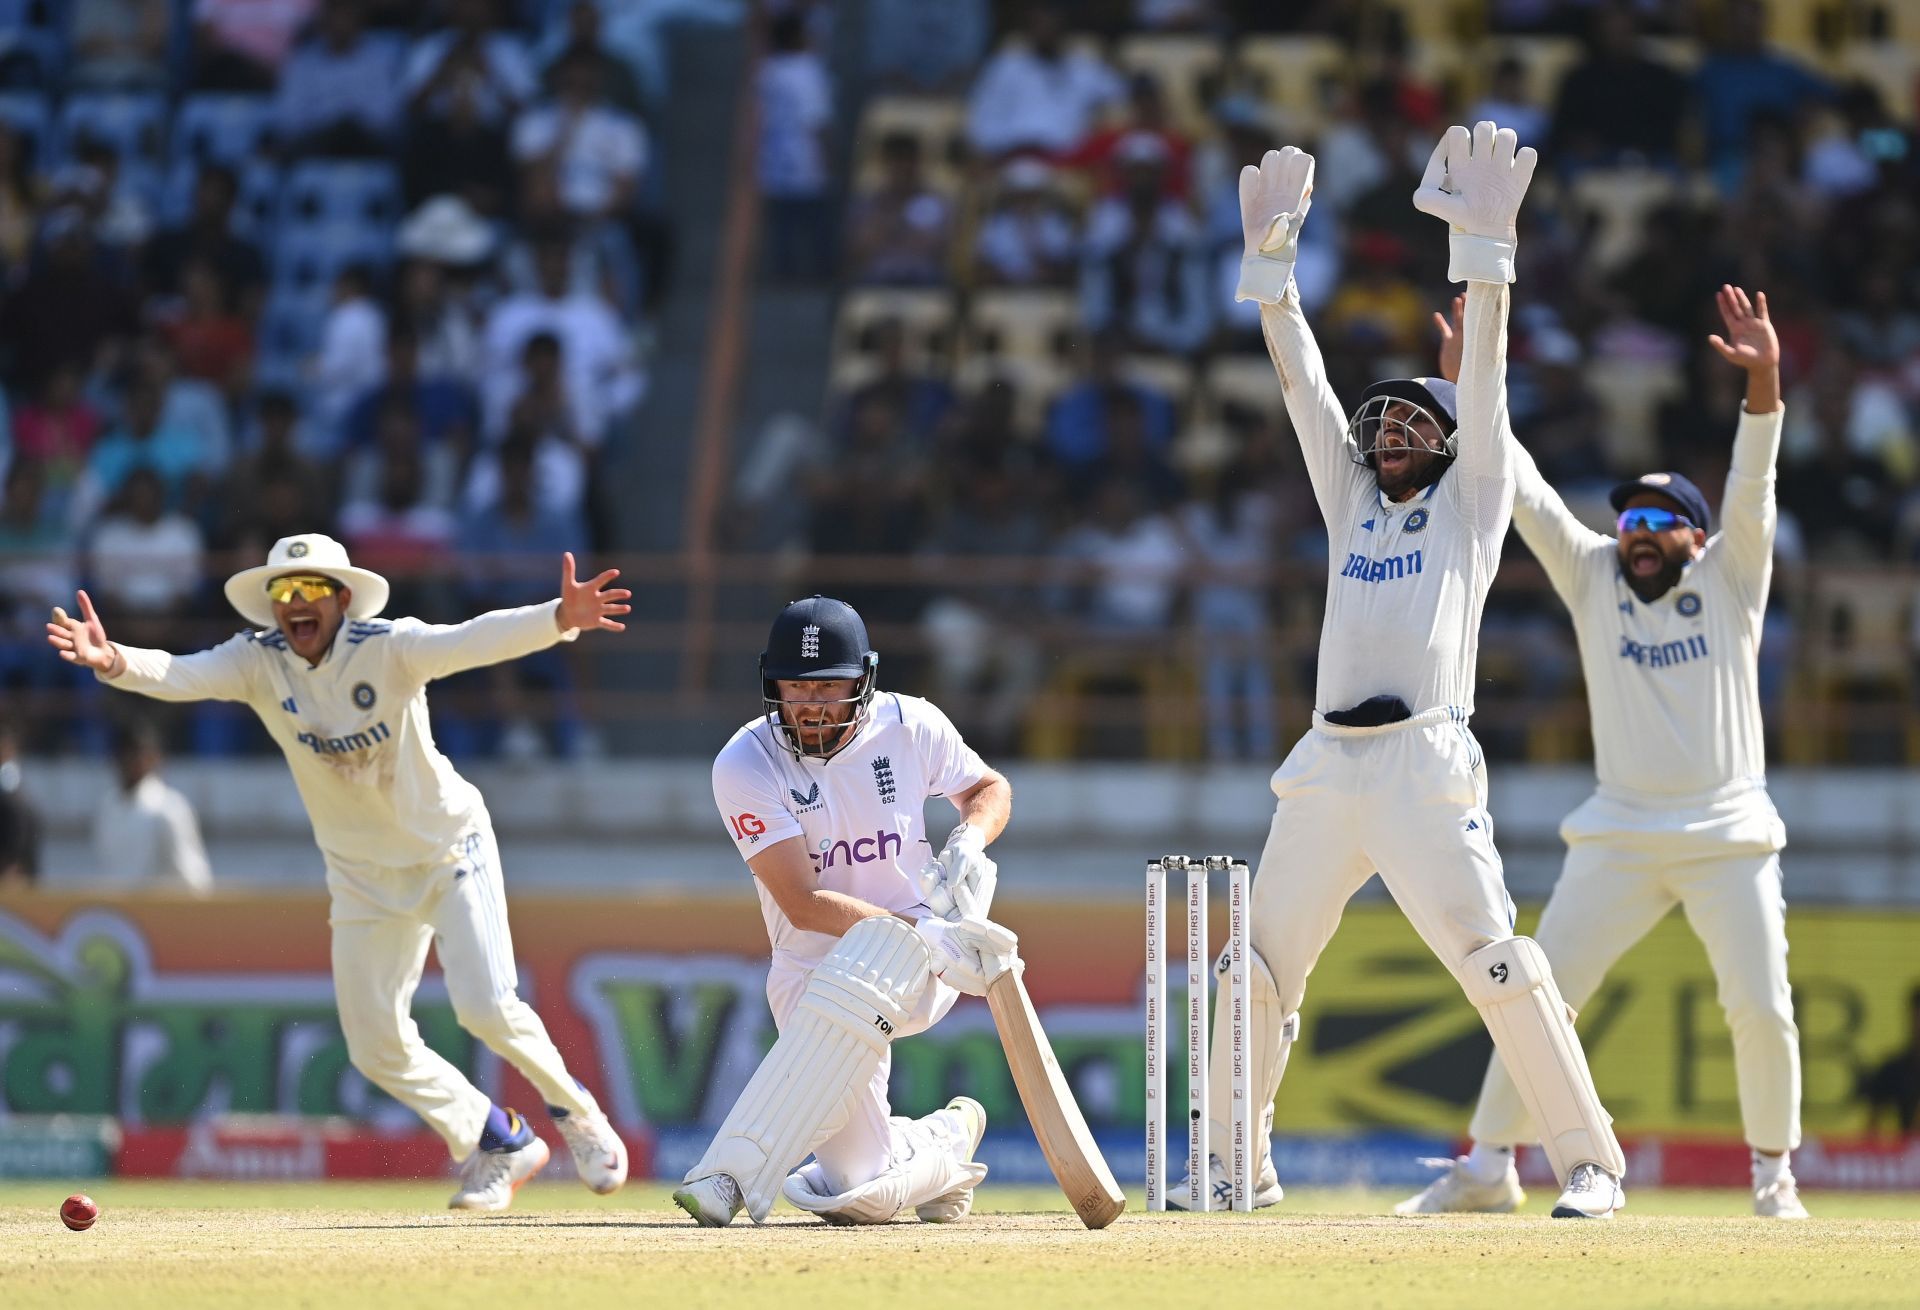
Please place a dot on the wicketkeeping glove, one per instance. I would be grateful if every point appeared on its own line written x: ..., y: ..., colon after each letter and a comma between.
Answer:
x: 969, y: 953
x: 1274, y: 198
x: 1476, y: 183
x: 961, y: 880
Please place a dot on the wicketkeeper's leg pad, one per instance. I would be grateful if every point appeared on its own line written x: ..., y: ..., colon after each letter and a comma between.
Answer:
x: 831, y: 1046
x: 1512, y: 986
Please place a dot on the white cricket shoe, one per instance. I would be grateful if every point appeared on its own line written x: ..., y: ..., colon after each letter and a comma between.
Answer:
x: 1457, y: 1191
x: 599, y: 1156
x: 1780, y: 1199
x: 489, y: 1179
x: 1592, y: 1193
x: 712, y: 1201
x: 1266, y: 1186
x: 958, y: 1204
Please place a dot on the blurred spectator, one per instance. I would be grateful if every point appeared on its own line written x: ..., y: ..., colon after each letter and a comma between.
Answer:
x: 1119, y: 569
x: 1881, y: 330
x: 115, y: 207
x: 601, y: 381
x: 36, y: 573
x: 1891, y: 1090
x: 443, y: 407
x: 545, y: 419
x: 1035, y: 94
x: 1846, y: 145
x: 207, y: 235
x: 353, y: 348
x: 56, y: 432
x: 898, y: 235
x: 471, y: 60
x: 1028, y: 238
x: 1078, y: 431
x: 1377, y: 310
x: 869, y: 498
x: 145, y: 834
x: 340, y: 92
x: 397, y: 422
x: 1144, y: 270
x: 1510, y: 102
x: 1132, y: 457
x: 119, y: 45
x: 1177, y: 15
x: 16, y: 204
x: 977, y: 634
x: 213, y: 342
x: 240, y: 45
x: 1560, y: 416
x: 1617, y: 105
x: 796, y: 109
x: 459, y: 152
x: 617, y: 84
x: 593, y: 154
x: 436, y: 308
x: 1742, y: 78
x: 70, y: 309
x: 923, y: 401
x: 1381, y: 211
x: 187, y: 403
x: 19, y: 818
x: 915, y: 46
x: 1840, y: 495
x: 1229, y: 538
x: 397, y: 530
x: 275, y: 454
x: 143, y: 558
x: 143, y: 441
x: 1105, y: 154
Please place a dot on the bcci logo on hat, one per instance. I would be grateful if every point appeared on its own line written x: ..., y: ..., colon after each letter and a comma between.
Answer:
x: 810, y: 642
x: 297, y: 550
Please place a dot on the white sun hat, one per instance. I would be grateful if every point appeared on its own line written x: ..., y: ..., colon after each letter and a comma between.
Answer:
x: 310, y: 552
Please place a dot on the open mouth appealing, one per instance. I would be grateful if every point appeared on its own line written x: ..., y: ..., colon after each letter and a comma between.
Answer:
x: 1645, y: 561
x: 1393, y: 457
x: 302, y: 626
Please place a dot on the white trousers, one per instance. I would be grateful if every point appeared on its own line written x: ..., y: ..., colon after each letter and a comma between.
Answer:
x: 1407, y: 800
x: 1610, y: 895
x: 869, y: 1144
x: 383, y: 921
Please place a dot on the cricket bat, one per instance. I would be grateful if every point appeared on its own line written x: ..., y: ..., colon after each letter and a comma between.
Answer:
x: 1057, y: 1122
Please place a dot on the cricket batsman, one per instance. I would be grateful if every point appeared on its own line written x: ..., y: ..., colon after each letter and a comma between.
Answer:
x: 1417, y: 490
x: 823, y: 795
x: 408, y: 843
x: 1668, y: 622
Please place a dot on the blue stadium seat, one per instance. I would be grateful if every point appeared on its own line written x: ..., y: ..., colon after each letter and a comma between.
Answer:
x: 307, y: 259
x: 134, y: 126
x: 30, y: 117
x: 226, y: 129
x: 322, y: 193
x: 33, y: 43
x: 289, y: 333
x: 258, y: 209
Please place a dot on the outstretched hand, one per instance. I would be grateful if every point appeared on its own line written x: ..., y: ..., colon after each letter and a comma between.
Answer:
x: 82, y: 640
x: 590, y: 604
x: 1452, y: 341
x: 1750, y: 342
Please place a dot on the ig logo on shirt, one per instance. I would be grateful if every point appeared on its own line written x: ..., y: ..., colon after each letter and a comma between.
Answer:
x: 363, y: 695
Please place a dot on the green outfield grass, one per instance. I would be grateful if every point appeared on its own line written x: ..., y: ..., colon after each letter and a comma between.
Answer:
x: 394, y: 1247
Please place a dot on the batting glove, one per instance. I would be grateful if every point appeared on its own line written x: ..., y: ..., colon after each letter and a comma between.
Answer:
x: 1274, y: 199
x: 960, y: 882
x: 969, y: 953
x: 1476, y: 183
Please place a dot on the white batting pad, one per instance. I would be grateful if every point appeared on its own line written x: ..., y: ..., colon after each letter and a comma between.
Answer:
x: 1270, y: 1035
x: 1512, y: 986
x: 832, y: 1043
x: 929, y: 1165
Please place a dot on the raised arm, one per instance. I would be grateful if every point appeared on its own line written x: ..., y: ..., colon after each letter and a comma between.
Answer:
x: 1274, y: 198
x: 1748, y: 515
x: 434, y: 650
x: 1557, y: 539
x: 216, y: 674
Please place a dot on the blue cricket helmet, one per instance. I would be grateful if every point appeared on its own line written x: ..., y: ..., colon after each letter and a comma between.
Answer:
x: 818, y: 638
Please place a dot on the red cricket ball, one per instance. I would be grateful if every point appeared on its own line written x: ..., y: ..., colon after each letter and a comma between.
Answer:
x: 78, y: 1212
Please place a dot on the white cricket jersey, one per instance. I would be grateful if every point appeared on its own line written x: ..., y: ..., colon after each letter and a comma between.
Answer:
x: 861, y: 813
x: 1406, y: 582
x: 354, y: 727
x: 1673, y: 687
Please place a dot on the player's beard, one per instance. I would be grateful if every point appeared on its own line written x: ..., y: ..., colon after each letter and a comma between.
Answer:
x: 1650, y: 587
x: 1423, y: 469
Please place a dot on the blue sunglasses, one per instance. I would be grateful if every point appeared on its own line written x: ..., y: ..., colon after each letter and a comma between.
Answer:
x: 1651, y: 518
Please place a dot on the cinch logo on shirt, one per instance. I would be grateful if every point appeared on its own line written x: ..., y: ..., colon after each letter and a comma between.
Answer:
x: 358, y: 741
x: 1362, y: 569
x: 1665, y: 653
x: 882, y: 845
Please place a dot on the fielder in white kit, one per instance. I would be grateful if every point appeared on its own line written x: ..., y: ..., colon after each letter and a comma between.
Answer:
x: 1416, y: 490
x: 1668, y: 622
x: 824, y: 796
x: 408, y: 843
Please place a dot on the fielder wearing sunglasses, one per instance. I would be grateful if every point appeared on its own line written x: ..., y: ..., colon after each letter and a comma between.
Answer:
x: 1660, y: 533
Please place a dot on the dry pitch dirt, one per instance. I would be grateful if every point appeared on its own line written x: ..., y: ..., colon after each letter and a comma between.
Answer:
x: 392, y: 1246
